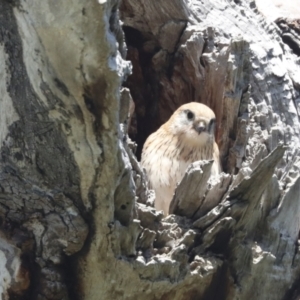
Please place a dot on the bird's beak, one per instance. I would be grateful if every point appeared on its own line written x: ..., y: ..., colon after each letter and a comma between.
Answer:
x: 200, y: 127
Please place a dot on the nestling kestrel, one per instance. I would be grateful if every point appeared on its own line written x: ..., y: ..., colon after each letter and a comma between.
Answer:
x: 186, y: 137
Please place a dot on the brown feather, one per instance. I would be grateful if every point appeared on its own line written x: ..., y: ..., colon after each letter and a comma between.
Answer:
x: 177, y: 143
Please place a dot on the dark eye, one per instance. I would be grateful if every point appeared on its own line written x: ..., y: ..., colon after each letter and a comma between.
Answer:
x: 190, y: 115
x: 211, y: 125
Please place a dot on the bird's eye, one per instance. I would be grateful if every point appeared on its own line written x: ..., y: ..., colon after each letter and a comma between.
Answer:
x: 212, y: 121
x: 211, y: 125
x: 190, y: 115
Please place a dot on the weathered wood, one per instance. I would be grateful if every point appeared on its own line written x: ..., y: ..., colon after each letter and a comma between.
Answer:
x: 290, y: 33
x: 76, y: 214
x: 191, y: 189
x: 229, y: 57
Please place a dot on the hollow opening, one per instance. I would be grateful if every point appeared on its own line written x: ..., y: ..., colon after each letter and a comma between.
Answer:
x: 194, y: 71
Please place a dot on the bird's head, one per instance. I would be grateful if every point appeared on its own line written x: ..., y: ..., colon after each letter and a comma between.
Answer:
x: 194, y: 123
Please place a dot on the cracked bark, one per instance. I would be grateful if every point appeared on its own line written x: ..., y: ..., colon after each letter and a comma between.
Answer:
x: 76, y: 215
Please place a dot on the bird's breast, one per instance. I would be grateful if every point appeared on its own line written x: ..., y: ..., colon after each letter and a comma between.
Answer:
x: 191, y: 154
x: 166, y: 159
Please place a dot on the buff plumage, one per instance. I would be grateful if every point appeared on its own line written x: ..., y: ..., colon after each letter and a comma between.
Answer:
x: 186, y: 137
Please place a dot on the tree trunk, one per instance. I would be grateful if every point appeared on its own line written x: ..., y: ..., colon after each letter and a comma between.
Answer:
x: 76, y: 215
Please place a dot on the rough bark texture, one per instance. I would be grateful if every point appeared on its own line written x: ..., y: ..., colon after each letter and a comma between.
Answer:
x: 77, y: 217
x: 290, y: 33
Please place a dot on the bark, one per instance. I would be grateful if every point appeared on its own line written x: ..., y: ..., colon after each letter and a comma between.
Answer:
x: 290, y: 33
x: 76, y: 215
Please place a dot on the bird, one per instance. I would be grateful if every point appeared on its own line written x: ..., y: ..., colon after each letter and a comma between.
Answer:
x: 188, y: 136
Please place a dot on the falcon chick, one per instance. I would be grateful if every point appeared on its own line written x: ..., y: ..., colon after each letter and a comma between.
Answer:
x: 186, y: 137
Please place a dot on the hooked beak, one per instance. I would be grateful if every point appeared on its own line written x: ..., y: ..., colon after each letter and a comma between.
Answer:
x: 200, y: 127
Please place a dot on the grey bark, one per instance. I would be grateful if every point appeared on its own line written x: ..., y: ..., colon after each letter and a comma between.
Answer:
x: 77, y: 216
